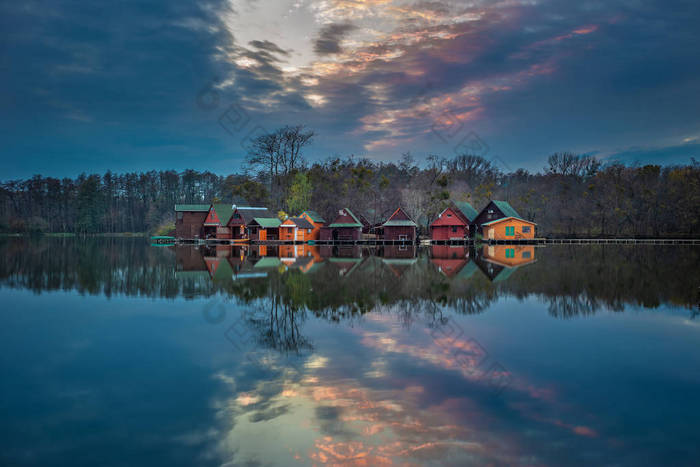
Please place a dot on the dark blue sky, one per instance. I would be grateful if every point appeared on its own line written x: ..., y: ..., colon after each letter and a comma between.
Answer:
x: 92, y: 86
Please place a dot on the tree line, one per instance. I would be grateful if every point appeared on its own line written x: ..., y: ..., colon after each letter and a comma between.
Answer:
x: 573, y: 195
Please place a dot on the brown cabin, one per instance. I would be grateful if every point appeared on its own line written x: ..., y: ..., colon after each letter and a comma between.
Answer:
x: 316, y: 220
x: 399, y: 227
x: 244, y: 214
x: 189, y: 220
x: 450, y: 225
x: 264, y: 228
x: 296, y: 229
x: 345, y: 227
x: 494, y: 210
x: 216, y: 222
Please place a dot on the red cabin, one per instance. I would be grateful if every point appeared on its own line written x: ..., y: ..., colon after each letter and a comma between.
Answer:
x: 216, y: 223
x: 450, y: 225
x: 345, y: 227
x: 399, y: 227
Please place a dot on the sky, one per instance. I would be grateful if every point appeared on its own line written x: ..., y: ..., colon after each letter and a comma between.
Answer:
x: 172, y: 84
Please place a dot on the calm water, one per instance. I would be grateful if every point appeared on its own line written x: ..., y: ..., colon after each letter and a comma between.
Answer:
x: 118, y: 353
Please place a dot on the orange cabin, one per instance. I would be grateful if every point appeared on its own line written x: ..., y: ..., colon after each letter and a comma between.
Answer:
x: 509, y: 255
x: 508, y: 228
x: 296, y: 229
x: 316, y: 221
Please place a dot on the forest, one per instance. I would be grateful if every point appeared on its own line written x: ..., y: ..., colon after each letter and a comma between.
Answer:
x: 573, y: 195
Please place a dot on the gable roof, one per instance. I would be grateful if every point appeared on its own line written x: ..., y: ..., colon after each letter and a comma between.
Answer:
x: 250, y: 212
x: 223, y: 211
x: 266, y: 222
x: 357, y: 222
x: 458, y: 219
x: 467, y: 209
x: 506, y: 208
x: 396, y: 221
x: 192, y: 207
x: 496, y: 221
x: 301, y: 222
x: 316, y: 217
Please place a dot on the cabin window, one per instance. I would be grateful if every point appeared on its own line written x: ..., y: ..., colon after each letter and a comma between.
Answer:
x: 236, y: 216
x: 510, y: 252
x: 526, y: 254
x: 449, y: 215
x: 179, y: 215
x: 510, y: 230
x: 526, y: 229
x: 454, y: 229
x: 308, y: 230
x: 490, y: 211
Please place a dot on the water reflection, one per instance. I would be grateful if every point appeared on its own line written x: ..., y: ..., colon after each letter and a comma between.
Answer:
x: 298, y: 355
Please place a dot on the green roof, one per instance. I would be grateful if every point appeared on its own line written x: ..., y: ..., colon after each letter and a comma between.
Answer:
x: 224, y: 211
x: 400, y: 260
x: 467, y: 271
x: 399, y: 223
x: 316, y: 217
x: 495, y: 221
x: 192, y: 207
x: 504, y: 274
x: 268, y: 222
x: 268, y: 262
x: 506, y: 209
x: 346, y: 225
x: 467, y: 209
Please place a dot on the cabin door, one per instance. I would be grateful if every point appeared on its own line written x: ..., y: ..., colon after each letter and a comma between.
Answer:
x: 492, y: 232
x: 262, y: 234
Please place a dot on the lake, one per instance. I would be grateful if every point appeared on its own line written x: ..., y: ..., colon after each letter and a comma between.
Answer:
x: 115, y: 352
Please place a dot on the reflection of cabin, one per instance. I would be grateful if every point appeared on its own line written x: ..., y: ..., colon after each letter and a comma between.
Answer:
x: 296, y: 229
x: 264, y: 228
x: 244, y: 214
x: 346, y: 226
x: 316, y: 220
x: 508, y: 228
x: 399, y: 258
x: 450, y: 224
x: 499, y: 262
x: 188, y: 259
x: 216, y: 223
x: 449, y: 259
x: 509, y: 255
x: 399, y: 227
x: 189, y: 220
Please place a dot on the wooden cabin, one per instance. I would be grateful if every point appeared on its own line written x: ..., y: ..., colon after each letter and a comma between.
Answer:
x: 316, y: 220
x: 296, y: 229
x: 264, y: 228
x: 189, y: 220
x: 244, y: 214
x: 494, y: 210
x: 508, y: 228
x: 399, y: 227
x: 345, y: 227
x: 216, y: 222
x: 450, y: 225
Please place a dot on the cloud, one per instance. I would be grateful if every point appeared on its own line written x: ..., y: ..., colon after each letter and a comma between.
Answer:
x: 330, y: 37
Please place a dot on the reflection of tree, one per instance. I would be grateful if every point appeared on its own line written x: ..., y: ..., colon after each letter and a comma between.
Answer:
x: 566, y: 306
x: 277, y: 325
